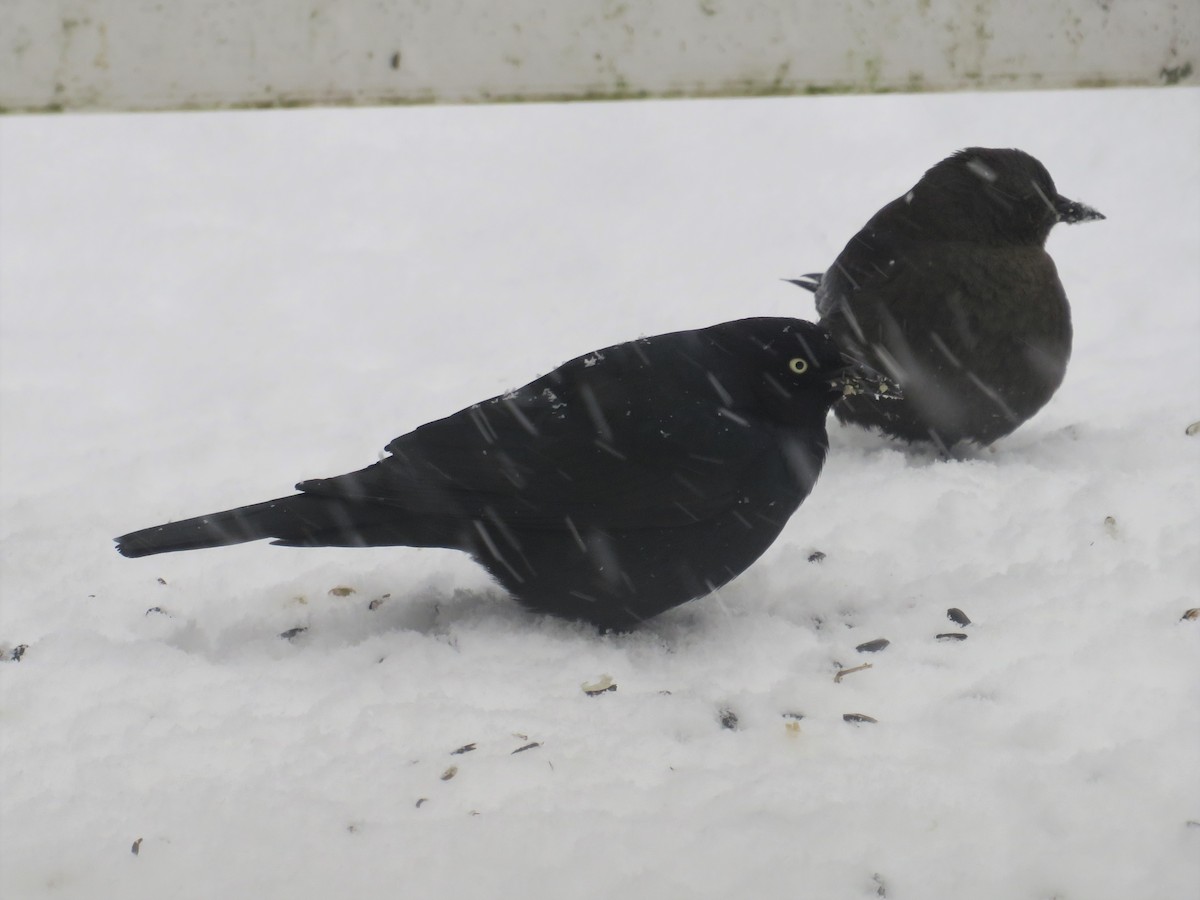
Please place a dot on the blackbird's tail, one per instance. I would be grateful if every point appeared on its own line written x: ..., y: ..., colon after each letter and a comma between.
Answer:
x: 303, y: 520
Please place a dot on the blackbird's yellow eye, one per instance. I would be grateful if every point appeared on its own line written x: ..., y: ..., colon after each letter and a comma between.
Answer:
x: 799, y: 365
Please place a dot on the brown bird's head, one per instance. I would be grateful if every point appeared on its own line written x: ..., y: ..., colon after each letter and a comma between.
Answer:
x: 997, y: 196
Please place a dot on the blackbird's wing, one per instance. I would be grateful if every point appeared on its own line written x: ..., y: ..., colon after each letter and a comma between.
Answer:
x: 633, y: 436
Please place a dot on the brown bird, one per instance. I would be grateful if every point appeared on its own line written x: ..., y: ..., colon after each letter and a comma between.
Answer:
x: 949, y: 289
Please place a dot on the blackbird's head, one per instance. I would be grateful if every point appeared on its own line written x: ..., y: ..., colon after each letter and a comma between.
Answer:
x: 795, y: 371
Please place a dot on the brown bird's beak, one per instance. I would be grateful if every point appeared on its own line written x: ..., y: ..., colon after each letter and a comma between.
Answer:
x: 1072, y: 211
x: 859, y: 379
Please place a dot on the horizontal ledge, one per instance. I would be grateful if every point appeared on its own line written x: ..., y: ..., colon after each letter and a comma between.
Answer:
x: 67, y: 55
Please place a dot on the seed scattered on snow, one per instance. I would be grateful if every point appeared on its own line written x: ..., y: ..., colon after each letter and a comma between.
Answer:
x: 957, y: 616
x: 856, y: 718
x: 159, y: 610
x: 952, y: 636
x: 600, y: 686
x: 293, y: 633
x: 137, y: 847
x: 465, y: 748
x: 421, y: 800
x: 341, y: 591
x: 528, y: 746
x: 842, y: 673
x: 816, y: 556
x: 1190, y: 616
x: 13, y: 655
x: 449, y: 773
x: 728, y: 718
x: 873, y: 646
x: 161, y: 580
x: 1192, y: 429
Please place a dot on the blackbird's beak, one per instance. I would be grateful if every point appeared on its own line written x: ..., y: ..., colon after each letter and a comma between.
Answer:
x: 1072, y: 211
x: 859, y: 379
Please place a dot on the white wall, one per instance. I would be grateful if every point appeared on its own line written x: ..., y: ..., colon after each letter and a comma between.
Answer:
x: 167, y: 54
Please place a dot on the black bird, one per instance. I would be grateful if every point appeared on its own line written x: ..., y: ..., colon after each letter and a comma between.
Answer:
x: 625, y: 482
x: 949, y: 289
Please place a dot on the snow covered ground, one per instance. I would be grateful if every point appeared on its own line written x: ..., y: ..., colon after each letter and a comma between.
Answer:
x: 199, y: 310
